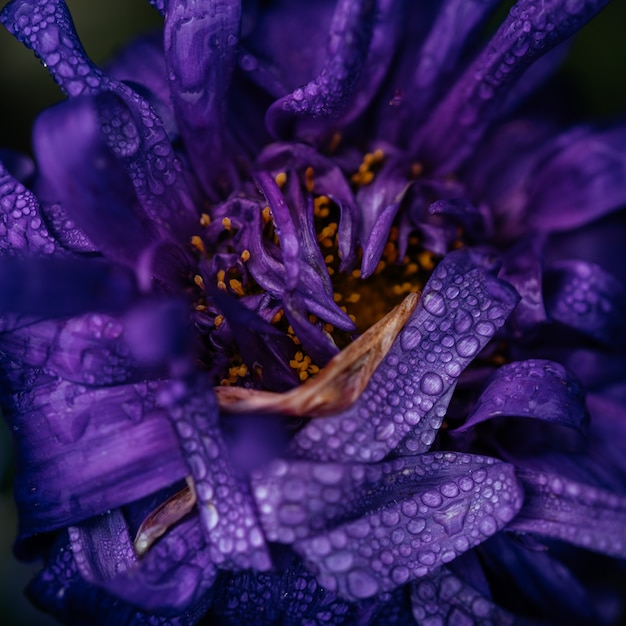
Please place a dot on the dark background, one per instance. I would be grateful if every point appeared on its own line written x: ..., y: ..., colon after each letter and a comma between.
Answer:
x: 595, y: 72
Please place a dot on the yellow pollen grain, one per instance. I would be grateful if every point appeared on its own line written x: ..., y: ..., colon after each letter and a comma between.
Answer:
x: 337, y: 297
x: 353, y: 298
x: 329, y: 258
x: 425, y: 259
x: 380, y: 267
x: 236, y: 286
x: 411, y: 268
x: 334, y: 142
x: 330, y: 271
x: 266, y: 214
x: 221, y: 285
x: 356, y: 273
x: 312, y: 318
x: 308, y: 179
x: 218, y: 320
x: 226, y: 223
x: 278, y: 316
x: 329, y: 328
x: 221, y: 276
x: 416, y: 170
x: 200, y: 307
x: 245, y: 255
x: 205, y: 220
x: 303, y: 376
x: 197, y: 243
x: 199, y: 281
x: 281, y: 179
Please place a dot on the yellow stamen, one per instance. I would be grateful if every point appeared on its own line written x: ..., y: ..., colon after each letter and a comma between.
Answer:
x: 218, y: 320
x: 308, y: 179
x: 199, y: 281
x: 205, y: 219
x: 245, y: 255
x: 236, y: 286
x: 226, y: 223
x: 281, y: 179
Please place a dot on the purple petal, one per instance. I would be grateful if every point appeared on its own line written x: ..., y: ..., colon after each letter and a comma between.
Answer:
x: 578, y: 513
x: 329, y: 181
x: 582, y: 180
x: 365, y: 529
x: 536, y: 389
x: 260, y: 343
x: 379, y: 203
x: 200, y: 50
x: 61, y: 590
x: 522, y: 266
x: 532, y: 580
x: 22, y: 229
x: 443, y: 598
x: 98, y: 349
x: 89, y: 181
x: 461, y: 119
x: 461, y: 308
x: 328, y: 95
x: 296, y: 241
x: 130, y: 127
x: 83, y: 451
x: 584, y: 297
x: 438, y: 58
x: 172, y: 576
x: 226, y: 509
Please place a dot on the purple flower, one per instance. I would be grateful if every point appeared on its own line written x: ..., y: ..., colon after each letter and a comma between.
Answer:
x: 218, y: 419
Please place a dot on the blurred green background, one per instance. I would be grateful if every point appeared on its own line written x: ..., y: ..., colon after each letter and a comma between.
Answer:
x: 595, y: 70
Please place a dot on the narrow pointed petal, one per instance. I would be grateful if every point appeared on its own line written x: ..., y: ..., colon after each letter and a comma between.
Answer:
x: 578, y: 513
x: 461, y: 119
x: 224, y: 502
x: 460, y: 310
x: 201, y: 49
x: 308, y: 109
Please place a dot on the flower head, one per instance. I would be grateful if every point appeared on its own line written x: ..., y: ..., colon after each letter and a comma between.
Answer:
x: 229, y: 401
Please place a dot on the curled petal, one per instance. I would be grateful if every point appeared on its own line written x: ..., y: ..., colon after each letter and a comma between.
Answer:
x: 460, y: 310
x: 578, y: 513
x: 61, y: 590
x: 584, y: 297
x: 395, y: 513
x: 461, y: 119
x: 327, y: 96
x: 131, y: 129
x: 171, y: 578
x: 582, y: 180
x: 537, y: 389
